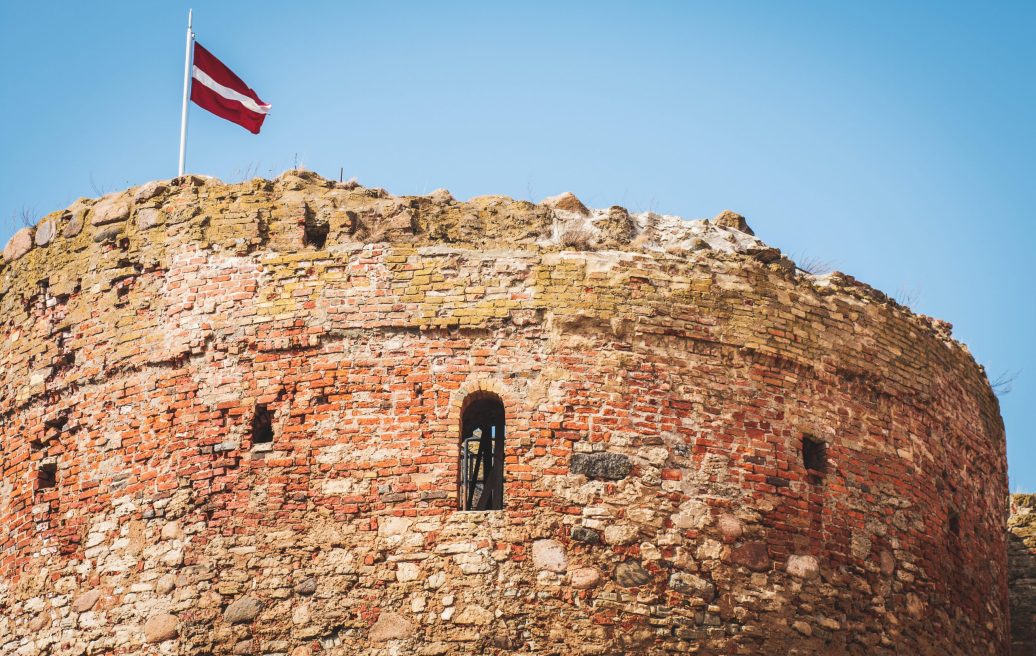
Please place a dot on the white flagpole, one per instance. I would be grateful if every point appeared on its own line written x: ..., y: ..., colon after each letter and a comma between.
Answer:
x: 186, y: 91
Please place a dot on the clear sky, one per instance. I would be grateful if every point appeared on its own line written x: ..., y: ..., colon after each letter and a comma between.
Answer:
x: 894, y: 140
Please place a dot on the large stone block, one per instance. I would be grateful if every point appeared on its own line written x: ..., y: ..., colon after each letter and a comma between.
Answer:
x: 110, y: 211
x: 243, y: 610
x: 607, y: 466
x: 753, y: 555
x: 161, y: 627
x: 692, y: 584
x: 18, y: 245
x: 45, y: 231
x: 631, y: 574
x: 549, y: 555
x: 803, y: 567
x: 391, y: 626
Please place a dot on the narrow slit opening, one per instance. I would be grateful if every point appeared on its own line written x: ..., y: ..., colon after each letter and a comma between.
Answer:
x: 814, y: 454
x: 47, y: 476
x: 262, y: 426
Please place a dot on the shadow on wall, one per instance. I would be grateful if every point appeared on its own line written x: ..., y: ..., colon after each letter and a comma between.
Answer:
x: 1021, y: 563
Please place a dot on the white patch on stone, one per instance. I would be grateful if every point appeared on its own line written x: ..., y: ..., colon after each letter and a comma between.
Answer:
x: 549, y: 555
x: 172, y: 531
x: 474, y: 563
x: 393, y: 526
x: 301, y: 614
x: 474, y: 615
x: 641, y: 515
x: 803, y: 567
x: 730, y: 527
x: 657, y: 456
x: 620, y: 534
x: 585, y: 578
x: 435, y: 581
x: 709, y: 549
x: 649, y: 551
x: 339, y: 453
x: 344, y: 486
x: 407, y: 571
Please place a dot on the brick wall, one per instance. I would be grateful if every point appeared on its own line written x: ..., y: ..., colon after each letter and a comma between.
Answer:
x: 657, y: 400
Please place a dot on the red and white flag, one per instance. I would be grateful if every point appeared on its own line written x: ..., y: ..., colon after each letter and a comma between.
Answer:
x: 215, y: 87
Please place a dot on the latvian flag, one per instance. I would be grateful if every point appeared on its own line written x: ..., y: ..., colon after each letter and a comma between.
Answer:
x: 215, y: 87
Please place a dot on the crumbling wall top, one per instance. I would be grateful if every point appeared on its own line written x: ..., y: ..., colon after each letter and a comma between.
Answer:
x: 300, y: 211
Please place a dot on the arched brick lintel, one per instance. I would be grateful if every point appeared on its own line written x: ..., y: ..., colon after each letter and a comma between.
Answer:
x: 480, y: 387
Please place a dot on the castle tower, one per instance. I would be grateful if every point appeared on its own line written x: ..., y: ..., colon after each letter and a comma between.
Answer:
x: 305, y: 417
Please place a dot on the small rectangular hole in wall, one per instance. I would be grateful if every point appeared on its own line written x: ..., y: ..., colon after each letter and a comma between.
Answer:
x: 953, y: 521
x: 316, y: 234
x: 262, y: 426
x: 814, y: 454
x: 57, y: 422
x: 47, y: 476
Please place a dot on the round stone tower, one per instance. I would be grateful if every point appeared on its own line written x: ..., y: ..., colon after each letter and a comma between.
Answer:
x: 302, y: 417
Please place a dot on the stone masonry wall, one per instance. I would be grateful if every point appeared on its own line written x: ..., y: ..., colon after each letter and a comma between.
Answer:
x: 1021, y: 556
x: 659, y: 379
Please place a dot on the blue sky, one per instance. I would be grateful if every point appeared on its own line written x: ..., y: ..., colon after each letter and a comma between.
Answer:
x: 894, y: 140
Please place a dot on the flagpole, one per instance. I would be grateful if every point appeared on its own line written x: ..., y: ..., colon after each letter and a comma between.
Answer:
x: 186, y: 90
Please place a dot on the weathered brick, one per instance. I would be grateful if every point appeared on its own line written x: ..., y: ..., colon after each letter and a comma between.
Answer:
x: 657, y: 397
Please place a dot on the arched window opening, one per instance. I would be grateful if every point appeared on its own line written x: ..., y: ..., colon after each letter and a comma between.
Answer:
x: 481, y: 484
